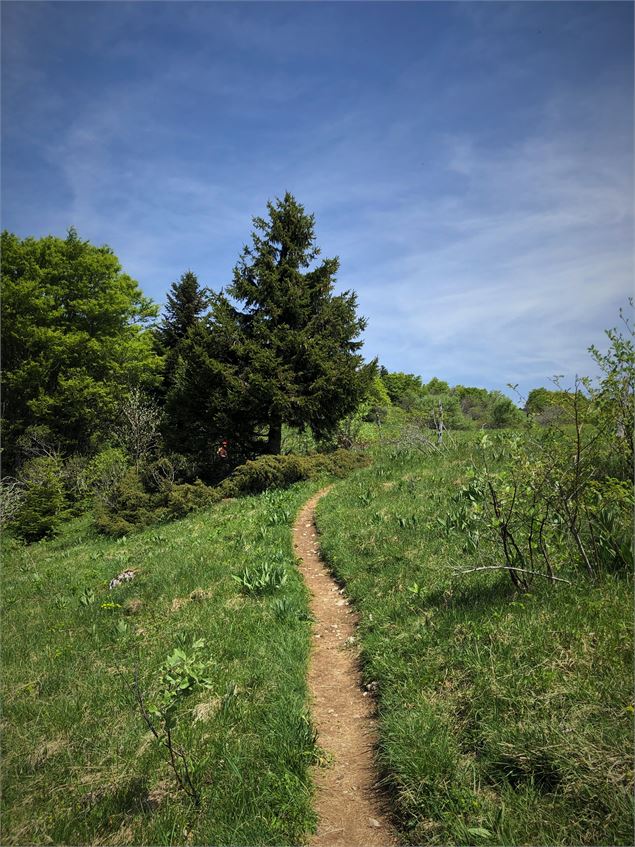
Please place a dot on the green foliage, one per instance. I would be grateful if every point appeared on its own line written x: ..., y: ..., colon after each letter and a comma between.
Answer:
x: 436, y: 386
x: 181, y: 674
x: 186, y: 303
x: 185, y: 498
x: 104, y: 471
x: 287, y: 355
x: 339, y: 463
x: 126, y: 508
x: 463, y: 406
x: 133, y: 498
x: 136, y: 426
x: 504, y: 413
x: 403, y: 389
x: 269, y: 472
x: 264, y: 473
x: 442, y: 408
x: 43, y: 499
x: 545, y: 504
x: 67, y: 720
x: 73, y: 339
x: 615, y: 396
x: 504, y: 717
x: 263, y: 578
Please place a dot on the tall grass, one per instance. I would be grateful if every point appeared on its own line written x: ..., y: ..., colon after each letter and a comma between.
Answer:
x: 504, y: 718
x: 79, y: 765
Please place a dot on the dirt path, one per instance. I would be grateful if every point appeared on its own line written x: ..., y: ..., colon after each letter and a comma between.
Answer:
x: 349, y: 810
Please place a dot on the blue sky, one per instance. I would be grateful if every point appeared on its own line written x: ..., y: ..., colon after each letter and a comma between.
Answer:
x: 470, y: 163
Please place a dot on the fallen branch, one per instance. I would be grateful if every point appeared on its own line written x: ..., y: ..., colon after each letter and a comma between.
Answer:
x: 507, y: 568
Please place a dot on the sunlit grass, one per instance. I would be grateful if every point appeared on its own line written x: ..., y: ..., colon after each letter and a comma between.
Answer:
x: 504, y: 719
x: 79, y: 765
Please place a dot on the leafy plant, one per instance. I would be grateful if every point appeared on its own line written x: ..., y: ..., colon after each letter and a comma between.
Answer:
x: 87, y: 597
x: 181, y: 674
x: 264, y: 578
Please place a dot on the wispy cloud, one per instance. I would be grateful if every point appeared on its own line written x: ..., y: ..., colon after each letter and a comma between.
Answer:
x: 478, y: 193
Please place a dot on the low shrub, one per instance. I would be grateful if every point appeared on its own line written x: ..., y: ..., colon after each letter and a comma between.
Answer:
x: 126, y: 507
x: 186, y: 498
x: 104, y: 472
x: 265, y: 472
x: 129, y: 506
x: 281, y: 471
x: 339, y: 463
x: 136, y: 498
x: 43, y: 502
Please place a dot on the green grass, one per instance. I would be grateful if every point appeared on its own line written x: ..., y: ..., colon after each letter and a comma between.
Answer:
x: 504, y: 719
x: 79, y: 765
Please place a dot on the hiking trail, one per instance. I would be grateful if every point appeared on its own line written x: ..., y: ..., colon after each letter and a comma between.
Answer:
x: 349, y: 808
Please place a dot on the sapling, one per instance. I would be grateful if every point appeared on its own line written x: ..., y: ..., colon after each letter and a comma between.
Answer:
x: 180, y: 675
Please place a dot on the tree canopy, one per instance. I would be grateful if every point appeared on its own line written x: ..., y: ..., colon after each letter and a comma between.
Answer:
x: 74, y: 337
x: 279, y: 346
x: 185, y: 306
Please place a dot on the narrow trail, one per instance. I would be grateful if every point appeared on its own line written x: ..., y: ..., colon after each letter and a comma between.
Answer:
x: 348, y: 806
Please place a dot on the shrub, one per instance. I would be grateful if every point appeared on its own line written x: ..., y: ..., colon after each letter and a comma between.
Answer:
x: 339, y: 463
x: 11, y: 497
x: 186, y: 498
x: 43, y: 505
x: 167, y: 471
x: 127, y: 507
x: 281, y: 471
x: 104, y: 472
x: 263, y: 473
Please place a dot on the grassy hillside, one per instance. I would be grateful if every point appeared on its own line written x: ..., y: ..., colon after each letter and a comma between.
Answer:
x: 79, y: 764
x: 504, y: 718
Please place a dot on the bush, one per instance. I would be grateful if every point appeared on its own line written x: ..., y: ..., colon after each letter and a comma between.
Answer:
x: 339, y: 463
x: 104, y: 473
x: 127, y: 507
x: 11, y: 498
x: 263, y: 473
x: 43, y: 505
x: 141, y: 497
x: 281, y: 471
x: 167, y: 471
x: 183, y: 499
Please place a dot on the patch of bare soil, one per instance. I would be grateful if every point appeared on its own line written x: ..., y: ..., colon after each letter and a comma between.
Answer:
x: 349, y: 808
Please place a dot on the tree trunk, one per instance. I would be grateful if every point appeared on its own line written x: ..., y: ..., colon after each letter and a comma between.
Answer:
x: 274, y: 441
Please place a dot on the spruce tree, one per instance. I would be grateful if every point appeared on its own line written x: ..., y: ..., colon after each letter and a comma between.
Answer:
x: 186, y: 303
x: 279, y: 347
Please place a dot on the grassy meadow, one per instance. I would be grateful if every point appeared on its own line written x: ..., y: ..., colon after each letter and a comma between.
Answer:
x: 504, y: 718
x: 79, y: 764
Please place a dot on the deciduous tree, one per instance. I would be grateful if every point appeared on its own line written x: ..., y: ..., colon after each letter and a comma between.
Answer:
x: 74, y: 338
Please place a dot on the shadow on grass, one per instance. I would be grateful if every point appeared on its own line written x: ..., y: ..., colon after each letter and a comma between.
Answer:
x: 476, y: 595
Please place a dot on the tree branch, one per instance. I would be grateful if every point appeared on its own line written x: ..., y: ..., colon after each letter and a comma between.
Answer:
x: 509, y: 568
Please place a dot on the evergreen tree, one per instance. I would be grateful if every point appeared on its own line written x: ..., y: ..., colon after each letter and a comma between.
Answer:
x: 186, y: 303
x: 281, y: 348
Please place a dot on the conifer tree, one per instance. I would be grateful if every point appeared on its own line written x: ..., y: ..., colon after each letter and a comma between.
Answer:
x: 186, y: 303
x: 281, y: 348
